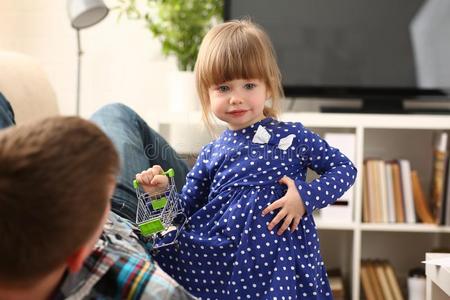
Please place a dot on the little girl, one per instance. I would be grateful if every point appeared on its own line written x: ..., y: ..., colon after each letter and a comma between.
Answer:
x: 251, y: 233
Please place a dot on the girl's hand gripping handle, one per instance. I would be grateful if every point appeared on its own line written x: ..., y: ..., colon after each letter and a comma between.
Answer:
x: 153, y: 180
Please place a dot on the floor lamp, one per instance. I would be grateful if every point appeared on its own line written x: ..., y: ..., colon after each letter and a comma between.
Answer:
x: 83, y: 14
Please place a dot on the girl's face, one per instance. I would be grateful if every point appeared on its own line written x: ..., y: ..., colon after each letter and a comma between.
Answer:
x: 239, y: 102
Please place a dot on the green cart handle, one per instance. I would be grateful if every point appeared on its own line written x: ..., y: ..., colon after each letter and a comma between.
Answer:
x: 170, y: 173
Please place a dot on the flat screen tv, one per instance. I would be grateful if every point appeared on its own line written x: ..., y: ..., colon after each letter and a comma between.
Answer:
x: 381, y: 51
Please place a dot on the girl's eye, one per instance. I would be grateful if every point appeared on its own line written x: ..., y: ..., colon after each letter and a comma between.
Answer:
x: 223, y: 88
x: 249, y: 86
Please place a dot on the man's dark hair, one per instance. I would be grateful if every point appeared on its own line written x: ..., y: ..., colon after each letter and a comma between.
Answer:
x: 55, y: 176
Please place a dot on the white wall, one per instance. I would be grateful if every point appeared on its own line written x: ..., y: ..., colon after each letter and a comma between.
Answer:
x: 121, y: 61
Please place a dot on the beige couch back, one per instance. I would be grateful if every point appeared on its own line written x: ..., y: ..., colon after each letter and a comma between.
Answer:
x: 26, y: 86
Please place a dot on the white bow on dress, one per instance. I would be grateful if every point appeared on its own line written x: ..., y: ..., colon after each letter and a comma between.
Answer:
x: 262, y: 136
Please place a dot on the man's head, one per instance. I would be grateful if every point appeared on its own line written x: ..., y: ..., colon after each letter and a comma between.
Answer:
x: 56, y: 177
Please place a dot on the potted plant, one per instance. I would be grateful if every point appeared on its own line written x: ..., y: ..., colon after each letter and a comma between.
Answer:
x: 180, y: 26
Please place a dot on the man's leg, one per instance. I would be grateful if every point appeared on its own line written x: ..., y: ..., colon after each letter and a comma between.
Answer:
x: 6, y: 113
x: 139, y: 148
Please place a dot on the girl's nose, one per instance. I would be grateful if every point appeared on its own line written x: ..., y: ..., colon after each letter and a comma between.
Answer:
x: 235, y: 99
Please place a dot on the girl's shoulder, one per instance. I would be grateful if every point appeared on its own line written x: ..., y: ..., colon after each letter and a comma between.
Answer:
x: 286, y: 127
x: 214, y: 148
x: 208, y: 147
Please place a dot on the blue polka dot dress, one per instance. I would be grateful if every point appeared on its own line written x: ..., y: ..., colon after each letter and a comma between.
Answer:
x: 227, y: 251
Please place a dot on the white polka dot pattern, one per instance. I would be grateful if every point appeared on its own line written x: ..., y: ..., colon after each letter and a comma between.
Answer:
x: 227, y: 251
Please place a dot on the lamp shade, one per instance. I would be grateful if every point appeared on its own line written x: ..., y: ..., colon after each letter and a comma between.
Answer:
x: 85, y: 13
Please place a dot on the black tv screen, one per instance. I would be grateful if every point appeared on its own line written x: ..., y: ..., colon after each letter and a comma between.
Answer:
x: 356, y: 48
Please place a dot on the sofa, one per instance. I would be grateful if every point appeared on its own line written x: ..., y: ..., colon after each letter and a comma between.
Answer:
x: 26, y: 86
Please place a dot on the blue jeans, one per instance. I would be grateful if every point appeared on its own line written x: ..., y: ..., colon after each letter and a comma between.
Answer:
x: 139, y: 147
x: 6, y: 113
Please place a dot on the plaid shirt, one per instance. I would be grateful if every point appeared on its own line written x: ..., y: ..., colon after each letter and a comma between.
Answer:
x: 120, y: 268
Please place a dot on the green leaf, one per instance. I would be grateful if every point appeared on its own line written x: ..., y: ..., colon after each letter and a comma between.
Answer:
x: 178, y: 24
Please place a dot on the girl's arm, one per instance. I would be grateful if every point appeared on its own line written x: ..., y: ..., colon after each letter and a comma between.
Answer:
x: 194, y: 193
x: 337, y: 172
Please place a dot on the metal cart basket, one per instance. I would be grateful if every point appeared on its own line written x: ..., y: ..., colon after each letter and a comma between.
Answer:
x: 156, y: 213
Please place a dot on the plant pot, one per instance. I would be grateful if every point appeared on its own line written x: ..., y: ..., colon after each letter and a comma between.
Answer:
x: 182, y: 92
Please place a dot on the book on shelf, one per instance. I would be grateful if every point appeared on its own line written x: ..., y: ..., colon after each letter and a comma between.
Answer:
x: 336, y: 284
x: 374, y: 280
x: 373, y: 191
x: 379, y: 281
x: 398, y: 194
x: 385, y: 289
x: 393, y: 281
x: 366, y: 282
x: 447, y: 195
x: 390, y: 193
x: 371, y: 187
x: 393, y: 193
x: 421, y: 204
x: 376, y: 179
x: 405, y: 171
x: 365, y: 204
x: 438, y: 176
x: 381, y: 176
x: 387, y: 192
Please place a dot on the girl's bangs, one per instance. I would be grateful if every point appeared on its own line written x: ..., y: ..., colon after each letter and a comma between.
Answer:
x: 234, y: 61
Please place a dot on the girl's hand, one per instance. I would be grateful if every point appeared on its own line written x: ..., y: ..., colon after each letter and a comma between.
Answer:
x: 153, y: 180
x: 291, y: 208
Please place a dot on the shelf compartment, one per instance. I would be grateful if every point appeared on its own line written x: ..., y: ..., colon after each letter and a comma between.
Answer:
x: 374, y: 227
x: 338, y: 255
x: 404, y: 250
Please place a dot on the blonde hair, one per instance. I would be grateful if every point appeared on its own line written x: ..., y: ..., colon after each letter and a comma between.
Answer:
x: 237, y: 49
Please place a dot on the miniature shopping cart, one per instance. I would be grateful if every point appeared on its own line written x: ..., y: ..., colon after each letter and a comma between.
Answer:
x: 157, y: 212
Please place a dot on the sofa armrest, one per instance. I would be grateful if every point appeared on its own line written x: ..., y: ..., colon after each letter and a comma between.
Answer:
x: 26, y: 86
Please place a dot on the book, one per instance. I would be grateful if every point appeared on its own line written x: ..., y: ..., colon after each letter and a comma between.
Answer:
x: 374, y: 191
x: 386, y: 290
x: 405, y: 171
x: 372, y: 195
x: 374, y: 280
x: 390, y: 193
x: 438, y: 178
x: 379, y: 281
x: 444, y: 202
x: 447, y: 195
x: 381, y: 175
x: 420, y: 203
x: 393, y: 281
x: 366, y: 282
x: 398, y: 194
x: 336, y: 284
x: 366, y: 214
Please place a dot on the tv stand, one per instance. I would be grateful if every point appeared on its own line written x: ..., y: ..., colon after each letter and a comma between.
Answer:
x: 385, y: 106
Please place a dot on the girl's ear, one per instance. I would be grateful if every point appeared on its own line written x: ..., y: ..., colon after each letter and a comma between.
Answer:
x: 268, y: 95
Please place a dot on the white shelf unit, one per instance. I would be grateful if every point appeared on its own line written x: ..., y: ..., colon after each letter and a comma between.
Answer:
x: 438, y: 278
x: 385, y: 136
